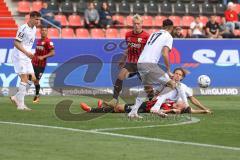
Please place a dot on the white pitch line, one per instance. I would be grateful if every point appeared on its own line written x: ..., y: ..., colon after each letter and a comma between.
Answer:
x: 194, y: 120
x: 124, y: 136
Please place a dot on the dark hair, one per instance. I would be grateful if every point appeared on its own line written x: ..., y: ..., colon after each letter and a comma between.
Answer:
x: 182, y: 70
x: 102, y: 5
x: 43, y: 26
x: 167, y: 23
x: 35, y: 14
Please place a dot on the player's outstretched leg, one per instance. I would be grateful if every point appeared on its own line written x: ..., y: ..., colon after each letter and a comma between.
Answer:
x: 116, y: 91
x: 123, y: 74
x: 89, y: 109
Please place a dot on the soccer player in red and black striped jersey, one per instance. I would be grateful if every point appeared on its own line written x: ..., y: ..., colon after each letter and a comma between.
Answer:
x: 172, y: 104
x: 136, y: 40
x: 44, y: 49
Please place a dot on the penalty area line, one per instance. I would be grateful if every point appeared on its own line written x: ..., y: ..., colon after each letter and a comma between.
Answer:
x: 123, y: 136
x: 193, y: 120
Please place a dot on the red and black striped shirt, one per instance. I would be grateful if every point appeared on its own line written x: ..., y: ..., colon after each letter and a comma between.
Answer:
x: 44, y: 46
x: 135, y: 43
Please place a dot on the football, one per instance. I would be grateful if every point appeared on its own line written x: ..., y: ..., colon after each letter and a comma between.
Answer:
x: 204, y: 81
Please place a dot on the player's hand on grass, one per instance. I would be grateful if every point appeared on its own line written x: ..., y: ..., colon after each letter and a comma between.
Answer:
x: 209, y: 111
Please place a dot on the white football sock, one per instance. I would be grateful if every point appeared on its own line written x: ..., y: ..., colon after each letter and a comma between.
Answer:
x: 137, y: 104
x: 29, y: 83
x: 162, y: 98
x: 139, y: 100
x: 158, y: 104
x: 21, y: 93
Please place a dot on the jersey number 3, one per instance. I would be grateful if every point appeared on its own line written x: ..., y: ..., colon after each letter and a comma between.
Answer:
x: 153, y: 38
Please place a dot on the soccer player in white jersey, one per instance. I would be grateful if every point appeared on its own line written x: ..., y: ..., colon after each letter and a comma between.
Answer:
x: 158, y: 45
x: 21, y: 58
x: 173, y: 96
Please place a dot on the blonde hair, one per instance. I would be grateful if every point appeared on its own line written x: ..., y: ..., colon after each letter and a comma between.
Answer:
x: 137, y: 17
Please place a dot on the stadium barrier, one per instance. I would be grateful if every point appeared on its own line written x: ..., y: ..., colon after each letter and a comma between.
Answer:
x: 87, y: 63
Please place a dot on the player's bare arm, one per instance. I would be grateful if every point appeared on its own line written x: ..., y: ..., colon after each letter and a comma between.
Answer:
x: 197, y: 103
x: 165, y: 52
x: 50, y: 54
x: 19, y: 46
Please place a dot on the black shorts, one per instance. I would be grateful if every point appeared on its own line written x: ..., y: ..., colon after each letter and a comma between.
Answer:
x: 186, y: 110
x: 132, y: 69
x: 142, y: 108
x: 38, y: 72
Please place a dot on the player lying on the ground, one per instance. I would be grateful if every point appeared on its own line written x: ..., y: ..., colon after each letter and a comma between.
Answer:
x: 173, y: 94
x: 172, y: 102
x: 167, y: 107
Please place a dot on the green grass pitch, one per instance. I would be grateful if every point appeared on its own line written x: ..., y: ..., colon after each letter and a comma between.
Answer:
x: 214, y: 137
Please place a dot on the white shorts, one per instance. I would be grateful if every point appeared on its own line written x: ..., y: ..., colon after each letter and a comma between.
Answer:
x: 152, y: 73
x: 22, y: 66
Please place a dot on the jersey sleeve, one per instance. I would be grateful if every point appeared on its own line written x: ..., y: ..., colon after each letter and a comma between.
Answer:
x: 208, y: 25
x: 188, y: 90
x: 20, y: 33
x: 50, y: 45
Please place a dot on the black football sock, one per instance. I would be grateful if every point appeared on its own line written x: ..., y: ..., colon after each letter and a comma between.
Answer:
x: 37, y: 89
x: 117, y: 88
x: 102, y: 110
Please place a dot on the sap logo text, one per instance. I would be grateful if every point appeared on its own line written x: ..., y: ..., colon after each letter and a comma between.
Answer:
x: 208, y: 56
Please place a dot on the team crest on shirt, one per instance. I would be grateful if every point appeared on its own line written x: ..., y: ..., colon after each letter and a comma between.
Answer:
x: 139, y: 40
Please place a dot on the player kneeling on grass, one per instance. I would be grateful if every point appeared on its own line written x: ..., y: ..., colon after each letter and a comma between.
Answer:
x: 44, y: 49
x: 172, y: 102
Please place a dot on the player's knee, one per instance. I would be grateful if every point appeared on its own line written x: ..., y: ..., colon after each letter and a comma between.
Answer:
x: 123, y: 76
x: 34, y: 79
x: 117, y: 109
x: 171, y: 84
x: 148, y: 89
x: 24, y: 78
x: 36, y: 82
